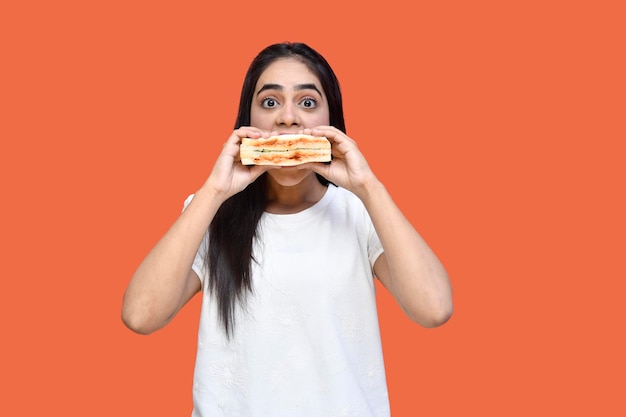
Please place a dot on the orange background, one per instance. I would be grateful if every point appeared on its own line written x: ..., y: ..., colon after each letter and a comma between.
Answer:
x: 113, y: 112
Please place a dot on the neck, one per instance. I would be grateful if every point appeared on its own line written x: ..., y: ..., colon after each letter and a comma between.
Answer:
x: 289, y: 199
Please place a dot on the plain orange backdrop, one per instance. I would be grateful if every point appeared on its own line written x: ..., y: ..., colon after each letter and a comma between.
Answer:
x: 113, y: 112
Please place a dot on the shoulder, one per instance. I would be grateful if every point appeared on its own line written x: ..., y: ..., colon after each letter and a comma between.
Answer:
x: 342, y: 195
x: 188, y: 200
x: 346, y: 204
x: 347, y: 200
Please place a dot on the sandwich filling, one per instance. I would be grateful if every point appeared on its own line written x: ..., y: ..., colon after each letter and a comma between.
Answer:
x: 285, y: 150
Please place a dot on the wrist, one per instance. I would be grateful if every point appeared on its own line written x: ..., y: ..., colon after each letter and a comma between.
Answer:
x: 371, y: 189
x: 211, y: 194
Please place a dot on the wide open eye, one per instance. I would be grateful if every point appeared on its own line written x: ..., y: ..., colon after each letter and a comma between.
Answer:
x: 269, y: 102
x: 309, y: 103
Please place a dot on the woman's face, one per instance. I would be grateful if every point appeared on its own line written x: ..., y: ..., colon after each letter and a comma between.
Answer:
x: 288, y: 97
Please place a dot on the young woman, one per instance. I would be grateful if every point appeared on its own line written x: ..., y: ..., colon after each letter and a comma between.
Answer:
x: 285, y: 258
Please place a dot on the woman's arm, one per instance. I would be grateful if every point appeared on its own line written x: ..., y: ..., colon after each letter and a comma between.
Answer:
x: 408, y: 268
x: 164, y: 281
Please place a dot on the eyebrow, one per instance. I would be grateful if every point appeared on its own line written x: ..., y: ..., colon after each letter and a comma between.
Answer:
x: 297, y: 87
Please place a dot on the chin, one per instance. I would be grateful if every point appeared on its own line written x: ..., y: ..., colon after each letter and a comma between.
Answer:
x: 289, y: 176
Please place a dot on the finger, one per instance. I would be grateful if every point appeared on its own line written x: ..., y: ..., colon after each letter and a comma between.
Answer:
x: 237, y: 156
x: 326, y: 131
x: 250, y: 132
x: 238, y: 134
x: 333, y: 134
x: 231, y: 147
x: 317, y: 167
x: 257, y: 170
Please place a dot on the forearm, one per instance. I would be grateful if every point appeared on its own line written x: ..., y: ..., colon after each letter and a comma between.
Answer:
x: 159, y: 286
x: 416, y: 278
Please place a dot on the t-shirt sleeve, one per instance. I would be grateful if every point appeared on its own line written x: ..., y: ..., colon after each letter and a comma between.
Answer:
x: 198, y: 263
x: 374, y: 247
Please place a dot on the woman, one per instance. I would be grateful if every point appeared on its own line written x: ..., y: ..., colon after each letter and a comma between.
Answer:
x: 286, y: 258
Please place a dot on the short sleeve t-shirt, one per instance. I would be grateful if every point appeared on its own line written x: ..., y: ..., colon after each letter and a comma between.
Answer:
x: 307, y: 340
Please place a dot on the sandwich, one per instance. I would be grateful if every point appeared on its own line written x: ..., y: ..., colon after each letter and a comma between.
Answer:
x: 285, y: 150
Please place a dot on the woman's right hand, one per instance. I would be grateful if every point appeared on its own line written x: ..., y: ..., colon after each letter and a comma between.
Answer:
x: 164, y: 281
x: 229, y: 176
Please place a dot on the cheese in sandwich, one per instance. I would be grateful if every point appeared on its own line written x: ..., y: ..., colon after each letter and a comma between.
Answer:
x: 285, y: 150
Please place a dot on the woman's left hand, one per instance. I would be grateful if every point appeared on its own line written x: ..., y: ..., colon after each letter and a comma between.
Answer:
x: 408, y: 268
x: 348, y: 169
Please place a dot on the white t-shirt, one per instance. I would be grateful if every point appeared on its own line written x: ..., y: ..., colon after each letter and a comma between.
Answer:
x: 307, y: 342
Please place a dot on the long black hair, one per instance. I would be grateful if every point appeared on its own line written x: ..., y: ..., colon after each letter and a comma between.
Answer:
x: 234, y: 228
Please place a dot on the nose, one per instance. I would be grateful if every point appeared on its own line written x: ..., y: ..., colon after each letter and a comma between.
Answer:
x: 288, y: 116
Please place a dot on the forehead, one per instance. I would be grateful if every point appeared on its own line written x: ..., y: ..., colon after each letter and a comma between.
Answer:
x: 287, y: 72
